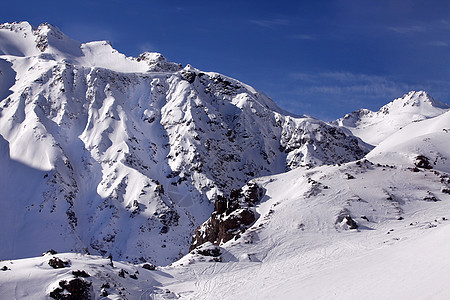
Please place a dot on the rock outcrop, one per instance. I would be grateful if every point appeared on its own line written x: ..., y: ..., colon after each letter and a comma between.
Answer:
x: 231, y: 216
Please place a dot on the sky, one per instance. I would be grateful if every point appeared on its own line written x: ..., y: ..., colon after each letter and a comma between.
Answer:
x: 320, y: 58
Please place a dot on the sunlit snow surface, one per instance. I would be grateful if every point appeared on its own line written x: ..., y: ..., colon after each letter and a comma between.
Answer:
x: 125, y: 156
x: 106, y: 154
x: 374, y: 127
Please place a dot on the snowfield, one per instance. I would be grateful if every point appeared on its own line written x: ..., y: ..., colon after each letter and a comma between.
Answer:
x: 375, y: 127
x: 115, y: 161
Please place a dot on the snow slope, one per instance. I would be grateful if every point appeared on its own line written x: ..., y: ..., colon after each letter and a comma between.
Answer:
x: 128, y: 154
x: 303, y: 238
x: 428, y: 137
x: 374, y: 127
x: 302, y: 245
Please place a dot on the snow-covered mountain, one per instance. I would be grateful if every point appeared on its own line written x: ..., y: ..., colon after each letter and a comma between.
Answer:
x: 107, y: 155
x: 360, y: 227
x: 125, y: 155
x: 374, y: 127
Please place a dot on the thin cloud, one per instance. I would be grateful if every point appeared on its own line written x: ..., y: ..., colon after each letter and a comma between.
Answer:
x: 303, y: 37
x: 438, y: 43
x: 348, y: 87
x: 434, y: 26
x: 340, y: 77
x: 352, y: 77
x: 305, y: 77
x: 270, y: 23
x: 408, y: 29
x: 355, y: 88
x: 147, y: 47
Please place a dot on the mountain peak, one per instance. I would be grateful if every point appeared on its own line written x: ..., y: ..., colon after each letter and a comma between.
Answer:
x: 373, y: 127
x: 158, y: 63
x: 414, y: 100
x: 45, y: 32
x: 47, y: 28
x: 16, y: 26
x: 22, y: 39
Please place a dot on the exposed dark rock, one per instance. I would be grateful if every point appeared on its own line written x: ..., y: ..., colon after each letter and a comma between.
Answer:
x: 160, y: 189
x: 231, y: 216
x: 122, y: 273
x: 207, y: 252
x: 4, y: 268
x: 149, y: 267
x: 164, y: 229
x: 220, y: 205
x: 75, y: 289
x: 104, y: 293
x: 51, y: 251
x: 253, y: 193
x: 344, y: 218
x: 349, y: 176
x: 168, y: 217
x: 80, y: 273
x: 214, y: 252
x: 350, y: 222
x: 430, y: 198
x: 57, y: 263
x: 235, y: 194
x: 423, y: 162
x: 106, y: 285
x: 188, y: 76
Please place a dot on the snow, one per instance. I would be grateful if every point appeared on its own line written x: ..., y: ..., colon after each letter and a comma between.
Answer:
x: 429, y: 136
x: 108, y: 130
x: 112, y: 155
x: 374, y: 127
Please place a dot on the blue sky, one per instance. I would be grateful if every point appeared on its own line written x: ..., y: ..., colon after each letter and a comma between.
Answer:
x: 322, y: 58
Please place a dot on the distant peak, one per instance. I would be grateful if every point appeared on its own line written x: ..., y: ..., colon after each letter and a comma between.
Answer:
x: 43, y: 32
x: 151, y: 56
x: 48, y: 27
x: 15, y: 25
x: 158, y: 63
x: 418, y: 98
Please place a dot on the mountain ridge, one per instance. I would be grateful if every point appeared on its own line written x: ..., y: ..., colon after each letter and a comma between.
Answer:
x: 373, y: 127
x: 132, y: 154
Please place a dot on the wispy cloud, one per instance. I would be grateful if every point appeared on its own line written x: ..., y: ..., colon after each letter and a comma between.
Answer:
x: 438, y: 43
x: 303, y: 37
x: 340, y: 78
x: 431, y: 27
x: 147, y: 47
x: 408, y: 29
x: 270, y: 23
x: 354, y: 88
x: 330, y: 95
x: 347, y: 87
x: 304, y: 77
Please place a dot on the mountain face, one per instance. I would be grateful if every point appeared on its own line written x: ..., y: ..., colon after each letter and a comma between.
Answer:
x: 358, y: 226
x: 117, y: 155
x: 374, y: 127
